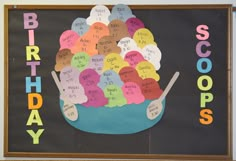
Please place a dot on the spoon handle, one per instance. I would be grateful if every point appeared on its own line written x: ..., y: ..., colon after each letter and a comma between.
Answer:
x: 168, y: 87
x: 54, y: 75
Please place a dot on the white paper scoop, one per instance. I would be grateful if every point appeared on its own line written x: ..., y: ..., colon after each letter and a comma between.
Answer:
x: 69, y: 109
x: 155, y: 107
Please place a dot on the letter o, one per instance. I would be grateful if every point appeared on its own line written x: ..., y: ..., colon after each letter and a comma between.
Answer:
x: 200, y: 83
x: 208, y: 65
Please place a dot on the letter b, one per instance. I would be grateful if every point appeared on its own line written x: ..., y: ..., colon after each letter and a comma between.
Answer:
x: 30, y: 21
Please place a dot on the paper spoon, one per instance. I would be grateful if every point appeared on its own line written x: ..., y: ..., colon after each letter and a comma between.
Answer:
x: 69, y: 109
x: 155, y: 107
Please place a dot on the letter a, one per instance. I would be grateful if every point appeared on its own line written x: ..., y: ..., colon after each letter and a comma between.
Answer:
x: 34, y: 118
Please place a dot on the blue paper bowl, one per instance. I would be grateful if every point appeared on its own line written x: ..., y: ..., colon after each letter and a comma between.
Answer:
x: 128, y: 119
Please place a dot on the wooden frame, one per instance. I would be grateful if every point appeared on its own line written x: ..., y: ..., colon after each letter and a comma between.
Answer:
x: 12, y: 97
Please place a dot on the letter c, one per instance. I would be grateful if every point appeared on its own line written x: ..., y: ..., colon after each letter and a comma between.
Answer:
x: 199, y: 49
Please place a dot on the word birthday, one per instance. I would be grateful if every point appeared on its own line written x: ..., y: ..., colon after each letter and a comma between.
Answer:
x: 33, y: 83
x: 204, y: 82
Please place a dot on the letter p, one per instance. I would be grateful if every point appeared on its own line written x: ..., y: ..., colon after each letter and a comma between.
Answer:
x: 206, y: 97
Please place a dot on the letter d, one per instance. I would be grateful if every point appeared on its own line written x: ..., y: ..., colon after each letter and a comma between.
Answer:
x: 32, y: 98
x: 30, y: 21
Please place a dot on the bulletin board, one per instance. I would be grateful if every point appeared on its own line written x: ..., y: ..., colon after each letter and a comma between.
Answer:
x: 122, y: 81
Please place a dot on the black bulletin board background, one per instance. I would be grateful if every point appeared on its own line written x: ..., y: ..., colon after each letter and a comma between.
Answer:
x: 179, y: 131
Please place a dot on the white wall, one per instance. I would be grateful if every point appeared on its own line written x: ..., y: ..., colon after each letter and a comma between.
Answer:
x: 106, y: 2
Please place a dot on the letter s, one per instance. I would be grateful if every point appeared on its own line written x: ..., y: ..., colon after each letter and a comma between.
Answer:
x: 206, y: 115
x: 203, y: 33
